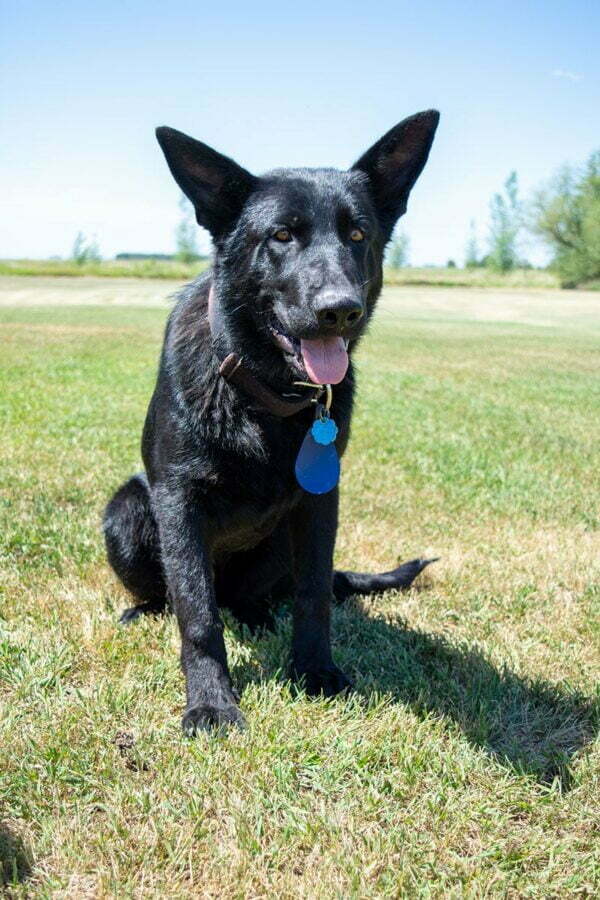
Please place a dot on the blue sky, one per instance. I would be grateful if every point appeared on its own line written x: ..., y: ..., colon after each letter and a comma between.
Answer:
x: 83, y: 86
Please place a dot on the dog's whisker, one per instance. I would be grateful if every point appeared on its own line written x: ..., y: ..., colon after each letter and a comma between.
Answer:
x: 235, y: 309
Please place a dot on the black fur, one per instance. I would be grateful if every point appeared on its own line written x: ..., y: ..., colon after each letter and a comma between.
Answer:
x: 218, y: 519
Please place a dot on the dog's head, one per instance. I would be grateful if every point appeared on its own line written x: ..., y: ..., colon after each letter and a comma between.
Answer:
x: 299, y: 252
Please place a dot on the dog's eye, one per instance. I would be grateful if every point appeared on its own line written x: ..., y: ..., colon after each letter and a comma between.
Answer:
x: 357, y: 234
x: 283, y: 234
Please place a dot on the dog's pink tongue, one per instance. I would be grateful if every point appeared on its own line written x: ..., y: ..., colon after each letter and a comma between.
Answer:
x: 325, y: 359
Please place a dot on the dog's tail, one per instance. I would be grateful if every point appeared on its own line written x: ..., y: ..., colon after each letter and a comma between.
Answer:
x: 346, y: 584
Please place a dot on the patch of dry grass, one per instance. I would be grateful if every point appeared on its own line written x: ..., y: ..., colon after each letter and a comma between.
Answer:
x: 466, y: 763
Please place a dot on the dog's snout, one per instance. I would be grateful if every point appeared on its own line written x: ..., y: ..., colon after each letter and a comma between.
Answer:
x: 337, y: 312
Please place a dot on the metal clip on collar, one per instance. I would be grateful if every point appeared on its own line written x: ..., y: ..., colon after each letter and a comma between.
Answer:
x: 321, y: 387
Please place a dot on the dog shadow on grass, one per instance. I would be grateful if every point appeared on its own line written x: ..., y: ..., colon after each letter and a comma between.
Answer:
x: 533, y: 726
x: 15, y: 859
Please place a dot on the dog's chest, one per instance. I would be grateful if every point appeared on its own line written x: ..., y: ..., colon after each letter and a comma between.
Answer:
x: 245, y: 526
x: 255, y: 486
x: 250, y: 498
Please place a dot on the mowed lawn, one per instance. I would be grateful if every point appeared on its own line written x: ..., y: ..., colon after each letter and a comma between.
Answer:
x: 466, y: 764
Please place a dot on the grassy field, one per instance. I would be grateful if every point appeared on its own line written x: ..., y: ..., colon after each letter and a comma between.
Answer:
x: 467, y: 762
x: 106, y: 268
x: 148, y: 268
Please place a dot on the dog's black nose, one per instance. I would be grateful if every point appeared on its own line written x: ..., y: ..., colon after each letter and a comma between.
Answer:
x: 337, y: 312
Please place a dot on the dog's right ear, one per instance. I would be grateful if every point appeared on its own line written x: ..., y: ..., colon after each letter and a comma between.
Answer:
x: 215, y: 184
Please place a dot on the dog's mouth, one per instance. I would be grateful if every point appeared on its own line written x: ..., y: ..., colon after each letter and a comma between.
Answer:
x: 323, y: 359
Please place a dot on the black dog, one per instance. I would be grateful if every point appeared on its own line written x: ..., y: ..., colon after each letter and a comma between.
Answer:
x: 219, y: 518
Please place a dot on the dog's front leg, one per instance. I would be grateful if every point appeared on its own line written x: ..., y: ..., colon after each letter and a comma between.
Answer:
x: 188, y: 569
x: 314, y: 526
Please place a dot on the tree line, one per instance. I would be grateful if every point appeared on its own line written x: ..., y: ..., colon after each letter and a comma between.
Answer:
x: 564, y: 214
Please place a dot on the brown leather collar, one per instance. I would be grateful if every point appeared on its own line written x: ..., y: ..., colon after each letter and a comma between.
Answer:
x: 233, y: 370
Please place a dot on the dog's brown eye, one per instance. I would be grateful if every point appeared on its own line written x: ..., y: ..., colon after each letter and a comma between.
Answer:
x: 357, y: 234
x: 283, y: 235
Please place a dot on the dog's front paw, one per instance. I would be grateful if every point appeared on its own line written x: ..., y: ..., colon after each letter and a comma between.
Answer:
x: 211, y: 717
x: 327, y: 681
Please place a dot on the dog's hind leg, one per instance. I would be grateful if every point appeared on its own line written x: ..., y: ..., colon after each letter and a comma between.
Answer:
x: 346, y: 584
x: 133, y: 548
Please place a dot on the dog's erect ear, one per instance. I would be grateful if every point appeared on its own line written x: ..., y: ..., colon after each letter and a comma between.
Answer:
x: 216, y: 185
x: 395, y: 162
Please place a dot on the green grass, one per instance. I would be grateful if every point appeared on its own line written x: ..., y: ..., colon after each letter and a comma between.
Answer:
x: 107, y: 268
x: 441, y: 276
x: 466, y: 763
x: 438, y: 276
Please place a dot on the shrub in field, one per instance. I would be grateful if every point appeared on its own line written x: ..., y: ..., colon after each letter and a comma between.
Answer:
x: 566, y: 214
x: 397, y: 254
x: 185, y: 233
x: 472, y: 259
x: 84, y: 250
x: 505, y: 224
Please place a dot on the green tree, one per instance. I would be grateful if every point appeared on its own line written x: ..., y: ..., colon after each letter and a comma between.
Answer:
x: 566, y: 215
x: 472, y: 251
x: 397, y: 256
x: 186, y: 232
x: 505, y: 224
x: 85, y: 250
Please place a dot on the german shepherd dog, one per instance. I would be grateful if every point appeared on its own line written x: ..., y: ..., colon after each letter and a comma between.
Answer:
x: 218, y: 519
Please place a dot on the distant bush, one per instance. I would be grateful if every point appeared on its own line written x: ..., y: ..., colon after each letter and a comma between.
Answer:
x: 505, y: 223
x: 397, y: 253
x: 472, y: 260
x: 566, y: 214
x: 186, y: 233
x: 84, y: 250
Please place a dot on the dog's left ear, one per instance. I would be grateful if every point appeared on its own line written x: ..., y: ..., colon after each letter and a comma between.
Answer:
x: 395, y: 162
x: 216, y: 185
